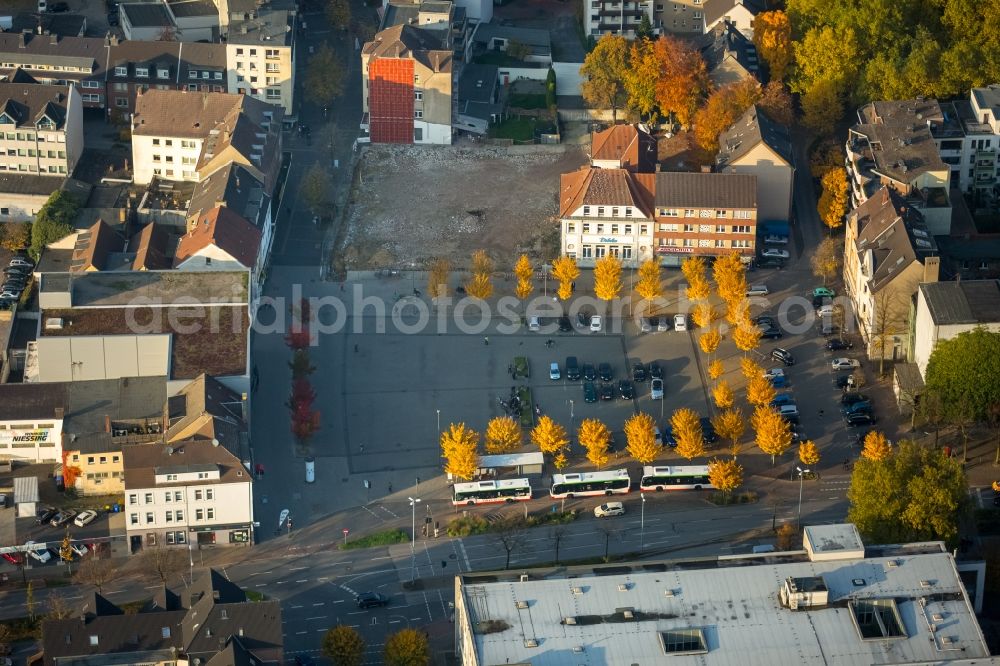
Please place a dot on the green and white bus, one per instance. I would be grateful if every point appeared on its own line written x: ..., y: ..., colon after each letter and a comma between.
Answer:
x: 614, y: 482
x: 690, y: 477
x: 491, y: 492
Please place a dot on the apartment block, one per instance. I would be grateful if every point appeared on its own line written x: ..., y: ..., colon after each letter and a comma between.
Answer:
x: 406, y: 75
x: 186, y: 492
x: 179, y: 135
x: 758, y: 146
x: 55, y: 60
x: 41, y: 129
x: 617, y: 17
x: 969, y: 141
x: 706, y: 214
x: 261, y: 58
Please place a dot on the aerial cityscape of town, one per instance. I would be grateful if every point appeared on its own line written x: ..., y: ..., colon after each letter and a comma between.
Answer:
x: 411, y: 332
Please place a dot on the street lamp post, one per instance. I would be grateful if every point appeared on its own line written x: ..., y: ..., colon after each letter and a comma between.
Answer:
x: 413, y: 536
x: 642, y: 522
x: 802, y: 473
x: 439, y: 420
x: 571, y: 411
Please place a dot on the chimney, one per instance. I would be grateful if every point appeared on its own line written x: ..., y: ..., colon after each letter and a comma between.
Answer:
x: 932, y: 266
x: 107, y: 423
x: 22, y: 41
x: 53, y: 39
x: 706, y: 168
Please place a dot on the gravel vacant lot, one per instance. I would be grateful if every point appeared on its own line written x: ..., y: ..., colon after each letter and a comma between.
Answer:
x: 411, y: 204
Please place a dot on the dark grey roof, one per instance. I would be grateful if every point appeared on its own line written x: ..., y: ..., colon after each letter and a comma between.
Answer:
x: 274, y: 27
x: 187, y: 8
x: 724, y: 41
x: 42, y: 185
x: 477, y: 83
x: 91, y: 403
x: 399, y: 13
x: 28, y: 104
x: 705, y: 190
x: 749, y: 131
x: 64, y: 25
x: 31, y: 401
x: 147, y: 15
x: 88, y: 53
x: 538, y: 40
x: 908, y: 378
x: 899, y: 139
x: 435, y: 7
x: 237, y: 188
x: 963, y: 302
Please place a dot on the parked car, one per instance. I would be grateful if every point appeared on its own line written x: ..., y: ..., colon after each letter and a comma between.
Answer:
x: 565, y: 326
x: 589, y: 392
x: 7, y: 294
x: 638, y: 372
x: 79, y: 549
x: 657, y: 435
x: 770, y: 332
x: 62, y: 518
x: 59, y: 7
x: 775, y: 253
x: 783, y: 355
x: 609, y: 509
x: 862, y: 419
x: 596, y: 324
x: 626, y: 390
x: 667, y: 438
x: 776, y: 239
x: 844, y: 382
x: 371, y: 600
x: 863, y: 406
x: 771, y: 262
x: 708, y: 430
x: 534, y: 325
x: 838, y: 344
x: 45, y: 515
x: 680, y: 322
x: 554, y: 371
x: 645, y: 325
x: 783, y: 399
x: 17, y: 559
x: 589, y: 372
x: 845, y: 363
x: 606, y: 392
x: 758, y: 290
x: 572, y: 369
x: 656, y: 389
x: 823, y: 292
x: 85, y: 518
x: 655, y: 370
x: 851, y: 397
x: 583, y: 319
x: 21, y: 262
x: 37, y: 552
x: 605, y: 372
x: 825, y: 310
x: 662, y: 324
x: 789, y: 413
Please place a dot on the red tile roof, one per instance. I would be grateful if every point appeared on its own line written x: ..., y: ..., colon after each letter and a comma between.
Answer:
x: 226, y: 230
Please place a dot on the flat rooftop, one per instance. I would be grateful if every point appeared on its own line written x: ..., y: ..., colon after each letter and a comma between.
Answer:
x: 153, y: 287
x: 728, y: 612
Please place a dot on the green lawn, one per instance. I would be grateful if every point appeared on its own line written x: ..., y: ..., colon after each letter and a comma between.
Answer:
x: 528, y: 100
x: 518, y: 129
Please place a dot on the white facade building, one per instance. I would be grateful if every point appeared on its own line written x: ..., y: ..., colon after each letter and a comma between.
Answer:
x: 41, y: 129
x: 190, y: 492
x: 945, y: 309
x: 31, y: 422
x: 260, y: 57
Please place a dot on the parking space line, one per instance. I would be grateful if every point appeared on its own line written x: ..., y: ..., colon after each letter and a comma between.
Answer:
x: 318, y: 617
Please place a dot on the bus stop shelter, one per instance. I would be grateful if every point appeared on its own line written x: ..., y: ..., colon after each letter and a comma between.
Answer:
x: 520, y: 463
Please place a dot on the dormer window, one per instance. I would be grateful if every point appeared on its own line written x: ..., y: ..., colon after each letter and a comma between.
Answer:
x: 163, y: 73
x: 142, y: 72
x: 205, y: 75
x: 218, y: 75
x: 121, y: 71
x: 193, y: 74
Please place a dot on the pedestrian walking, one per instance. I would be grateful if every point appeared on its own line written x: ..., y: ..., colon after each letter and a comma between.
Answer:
x: 390, y: 487
x: 486, y: 340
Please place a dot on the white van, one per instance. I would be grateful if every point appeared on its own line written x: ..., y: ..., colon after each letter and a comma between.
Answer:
x: 680, y: 322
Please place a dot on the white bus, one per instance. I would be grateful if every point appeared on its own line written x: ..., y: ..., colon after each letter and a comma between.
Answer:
x: 487, y: 492
x: 590, y: 483
x: 691, y: 477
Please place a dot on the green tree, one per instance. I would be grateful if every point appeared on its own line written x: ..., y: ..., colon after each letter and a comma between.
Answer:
x: 407, y: 647
x: 822, y: 106
x: 640, y: 78
x: 325, y: 77
x: 964, y: 372
x: 315, y: 188
x: 53, y: 222
x: 604, y: 71
x: 645, y: 29
x: 338, y: 13
x: 772, y: 35
x: 518, y: 50
x: 344, y: 646
x: 917, y: 494
x: 16, y: 236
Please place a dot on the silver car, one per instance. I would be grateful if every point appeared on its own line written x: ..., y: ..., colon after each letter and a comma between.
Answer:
x: 656, y: 389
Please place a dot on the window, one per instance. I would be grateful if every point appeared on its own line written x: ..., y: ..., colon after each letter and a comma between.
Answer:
x: 209, y: 494
x: 93, y: 639
x: 688, y: 242
x: 741, y: 244
x: 193, y: 74
x: 271, y: 54
x: 239, y: 52
x: 741, y: 228
x: 142, y: 72
x: 720, y: 213
x: 121, y: 71
x: 690, y: 228
x: 162, y: 73
x: 417, y: 113
x: 984, y: 265
x: 149, y: 518
x: 626, y: 252
x: 149, y: 498
x: 570, y: 228
x: 90, y: 460
x: 133, y: 518
x: 90, y: 84
x: 169, y: 517
x: 586, y: 227
x: 180, y: 537
x: 206, y: 75
x: 180, y: 515
x: 588, y: 251
x: 741, y: 214
x: 187, y: 144
x: 217, y: 76
x: 197, y: 494
x: 418, y: 134
x: 669, y: 212
x: 720, y: 228
x: 115, y: 459
x: 156, y: 158
x: 614, y: 227
x: 133, y: 499
x: 166, y: 496
x: 614, y: 213
x: 643, y: 229
x: 104, y: 460
x: 171, y: 477
x: 177, y: 496
x: 151, y: 539
x: 199, y: 514
x: 273, y: 93
x: 76, y: 457
x: 628, y: 229
x: 121, y: 102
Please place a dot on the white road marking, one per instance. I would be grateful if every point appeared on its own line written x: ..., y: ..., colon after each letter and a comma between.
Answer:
x: 295, y: 606
x: 304, y: 580
x: 297, y: 568
x: 319, y: 603
x: 318, y: 617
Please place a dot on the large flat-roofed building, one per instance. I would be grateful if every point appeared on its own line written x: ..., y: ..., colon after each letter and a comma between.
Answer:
x: 834, y: 603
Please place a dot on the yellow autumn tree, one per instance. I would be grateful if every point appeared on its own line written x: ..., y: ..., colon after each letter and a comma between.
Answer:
x: 729, y: 272
x: 876, y: 446
x: 595, y: 438
x: 437, y: 278
x: 746, y: 337
x: 750, y: 368
x: 772, y: 35
x: 686, y: 427
x: 549, y: 436
x: 710, y: 340
x: 698, y: 290
x: 808, y: 453
x: 565, y: 270
x: 760, y: 391
x: 560, y: 461
x: 704, y: 314
x: 723, y: 395
x: 524, y: 273
x: 738, y: 311
x: 458, y: 444
x: 503, y: 435
x: 641, y: 437
x: 726, y: 475
x: 833, y: 202
x: 649, y: 285
x: 730, y: 425
x: 772, y: 432
x: 693, y: 268
x: 480, y: 285
x: 608, y: 278
x: 716, y: 369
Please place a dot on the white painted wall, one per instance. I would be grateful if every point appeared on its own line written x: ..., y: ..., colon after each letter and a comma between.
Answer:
x: 927, y: 334
x: 144, y: 148
x: 232, y: 502
x: 434, y: 133
x: 34, y: 441
x: 568, y: 78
